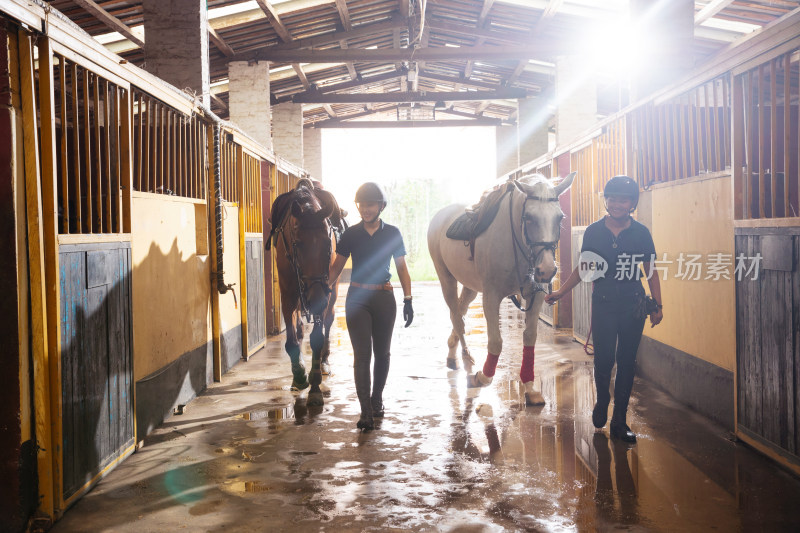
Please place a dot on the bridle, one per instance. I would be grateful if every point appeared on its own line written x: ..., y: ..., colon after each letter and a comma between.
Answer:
x: 305, y: 283
x: 527, y: 249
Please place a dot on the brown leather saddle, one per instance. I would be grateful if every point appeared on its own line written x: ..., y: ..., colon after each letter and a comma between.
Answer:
x: 478, y: 218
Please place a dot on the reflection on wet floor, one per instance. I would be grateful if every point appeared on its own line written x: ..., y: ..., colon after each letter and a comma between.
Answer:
x: 251, y: 456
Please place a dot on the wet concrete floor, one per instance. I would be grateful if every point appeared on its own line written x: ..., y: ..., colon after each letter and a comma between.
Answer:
x: 249, y: 455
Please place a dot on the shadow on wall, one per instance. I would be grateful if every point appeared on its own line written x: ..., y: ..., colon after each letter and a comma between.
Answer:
x: 97, y: 355
x: 171, y: 300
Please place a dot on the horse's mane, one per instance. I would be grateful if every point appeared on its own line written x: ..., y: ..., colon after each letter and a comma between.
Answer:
x: 534, y: 184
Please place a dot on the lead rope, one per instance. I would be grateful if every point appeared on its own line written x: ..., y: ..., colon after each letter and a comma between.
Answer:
x: 587, y: 344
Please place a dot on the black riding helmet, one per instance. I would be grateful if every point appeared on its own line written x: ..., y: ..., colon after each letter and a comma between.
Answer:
x: 371, y: 192
x: 622, y: 186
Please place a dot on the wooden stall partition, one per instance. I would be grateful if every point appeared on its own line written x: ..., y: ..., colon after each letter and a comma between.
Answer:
x: 766, y: 181
x: 584, y: 189
x: 678, y: 136
x: 766, y: 143
x: 271, y: 299
x: 581, y: 294
x: 169, y: 148
x: 767, y: 344
x: 253, y: 253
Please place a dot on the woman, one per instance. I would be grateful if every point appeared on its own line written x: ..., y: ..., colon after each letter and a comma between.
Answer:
x: 618, y: 299
x: 370, y: 308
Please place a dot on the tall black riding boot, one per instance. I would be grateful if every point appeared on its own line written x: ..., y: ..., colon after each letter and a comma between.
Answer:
x: 619, y: 429
x: 600, y: 411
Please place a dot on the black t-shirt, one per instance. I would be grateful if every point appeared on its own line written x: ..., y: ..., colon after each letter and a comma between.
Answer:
x: 624, y: 253
x: 371, y: 253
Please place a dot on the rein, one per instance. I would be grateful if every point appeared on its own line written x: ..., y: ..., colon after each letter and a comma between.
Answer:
x: 304, y: 283
x: 531, y: 257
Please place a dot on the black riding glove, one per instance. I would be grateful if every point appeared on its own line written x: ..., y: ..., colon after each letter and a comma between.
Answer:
x: 408, y: 312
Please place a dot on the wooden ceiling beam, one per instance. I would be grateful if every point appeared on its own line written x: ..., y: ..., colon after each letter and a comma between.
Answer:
x: 419, y: 96
x: 110, y: 20
x: 472, y: 31
x: 482, y: 107
x: 404, y: 8
x: 341, y: 118
x: 483, y: 53
x: 464, y: 114
x: 549, y: 12
x: 364, y: 30
x: 344, y: 14
x: 220, y: 43
x: 302, y: 75
x: 217, y: 100
x: 711, y: 10
x: 423, y: 44
x: 551, y: 9
x: 487, y: 6
x: 345, y: 85
x: 351, y: 68
x: 329, y: 110
x: 275, y: 20
x: 368, y: 124
x: 451, y: 79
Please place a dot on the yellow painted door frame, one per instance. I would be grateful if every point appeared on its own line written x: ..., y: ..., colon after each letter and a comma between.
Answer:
x: 240, y: 179
x: 36, y: 226
x: 276, y: 290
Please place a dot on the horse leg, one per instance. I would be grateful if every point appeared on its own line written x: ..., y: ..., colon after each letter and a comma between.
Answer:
x: 466, y: 298
x: 450, y: 293
x: 327, y: 322
x: 299, y: 381
x: 526, y: 374
x: 315, y: 376
x: 491, y: 310
x: 299, y: 326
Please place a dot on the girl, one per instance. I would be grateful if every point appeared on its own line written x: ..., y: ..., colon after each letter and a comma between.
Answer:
x: 618, y: 299
x: 370, y: 308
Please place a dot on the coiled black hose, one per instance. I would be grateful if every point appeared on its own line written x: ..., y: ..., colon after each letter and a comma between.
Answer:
x: 221, y: 286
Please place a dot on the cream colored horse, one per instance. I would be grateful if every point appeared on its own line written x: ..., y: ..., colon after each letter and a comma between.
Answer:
x: 514, y: 256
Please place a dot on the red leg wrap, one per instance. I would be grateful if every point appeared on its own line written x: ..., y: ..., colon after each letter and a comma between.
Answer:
x: 526, y: 371
x: 490, y: 365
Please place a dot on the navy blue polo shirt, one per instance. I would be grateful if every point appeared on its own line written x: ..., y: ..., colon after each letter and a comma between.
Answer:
x: 371, y: 253
x: 632, y: 247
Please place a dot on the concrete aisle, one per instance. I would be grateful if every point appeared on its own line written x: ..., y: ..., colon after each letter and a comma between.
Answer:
x: 248, y: 455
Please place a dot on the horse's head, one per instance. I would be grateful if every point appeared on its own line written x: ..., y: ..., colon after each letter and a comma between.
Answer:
x: 312, y: 248
x: 542, y: 218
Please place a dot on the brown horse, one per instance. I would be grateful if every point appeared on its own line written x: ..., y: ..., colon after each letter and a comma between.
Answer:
x: 305, y: 225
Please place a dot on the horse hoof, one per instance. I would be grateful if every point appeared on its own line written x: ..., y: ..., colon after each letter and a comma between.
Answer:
x: 365, y: 423
x: 452, y: 364
x: 533, y: 398
x: 315, y: 399
x: 299, y: 386
x: 479, y: 379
